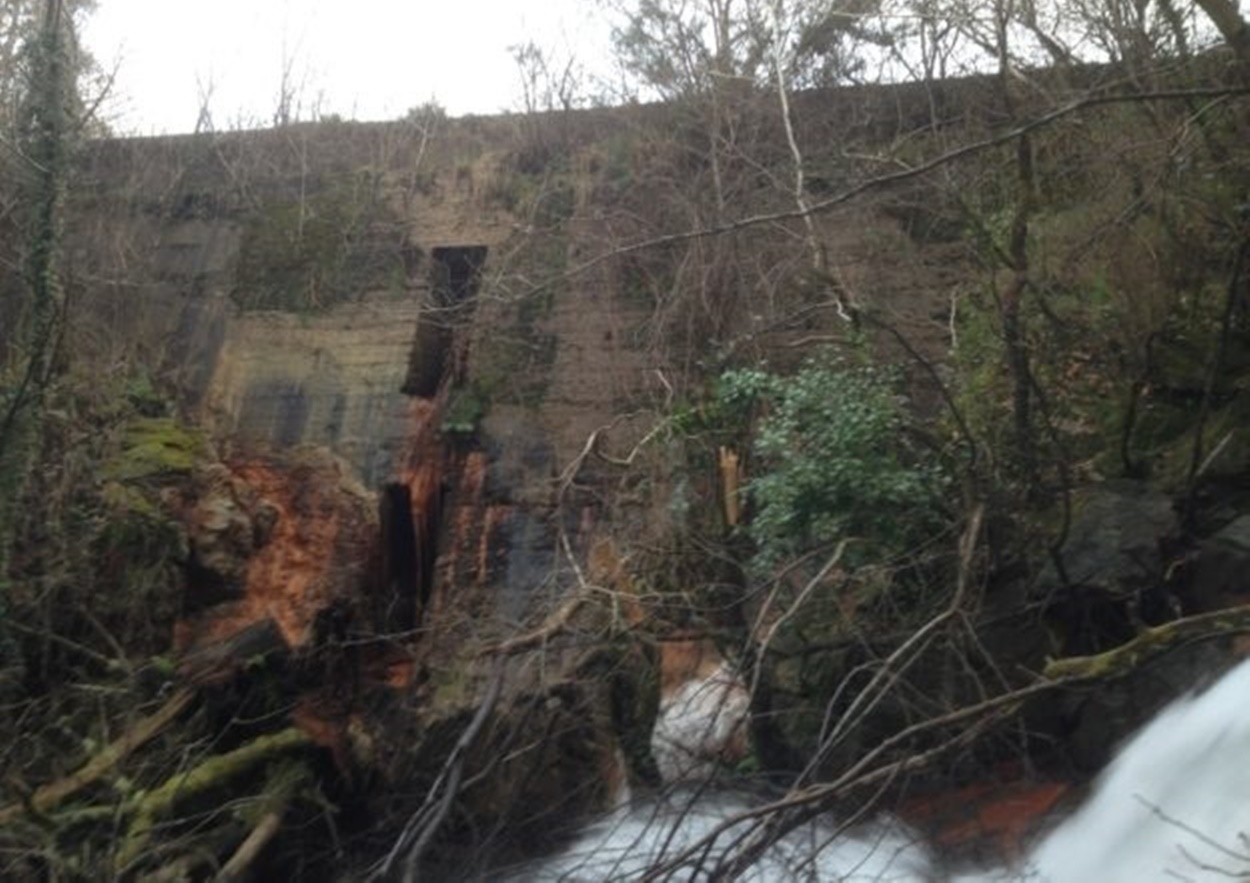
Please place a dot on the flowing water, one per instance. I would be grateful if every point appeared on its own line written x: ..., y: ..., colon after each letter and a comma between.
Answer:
x: 1173, y: 805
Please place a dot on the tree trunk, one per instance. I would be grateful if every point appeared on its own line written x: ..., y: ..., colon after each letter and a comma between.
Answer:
x: 1226, y: 16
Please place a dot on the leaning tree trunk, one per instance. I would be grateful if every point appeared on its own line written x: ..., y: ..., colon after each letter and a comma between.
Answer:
x: 44, y: 134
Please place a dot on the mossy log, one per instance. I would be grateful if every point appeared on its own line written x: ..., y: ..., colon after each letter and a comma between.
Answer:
x: 1152, y: 642
x: 211, y: 773
x: 52, y: 794
x: 285, y: 781
x: 217, y: 662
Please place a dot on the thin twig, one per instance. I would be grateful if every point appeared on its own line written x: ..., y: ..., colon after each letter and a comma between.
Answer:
x: 425, y: 822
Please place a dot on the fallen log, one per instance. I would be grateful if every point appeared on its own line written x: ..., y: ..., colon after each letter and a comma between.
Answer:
x: 48, y: 796
x: 211, y: 773
x: 1151, y: 642
x: 283, y: 786
x: 217, y: 661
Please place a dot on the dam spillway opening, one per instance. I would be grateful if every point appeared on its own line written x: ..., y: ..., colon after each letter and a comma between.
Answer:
x: 454, y: 278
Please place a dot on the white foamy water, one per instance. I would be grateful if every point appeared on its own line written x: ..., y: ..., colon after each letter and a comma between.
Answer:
x: 631, y: 843
x: 1174, y: 805
x: 699, y: 724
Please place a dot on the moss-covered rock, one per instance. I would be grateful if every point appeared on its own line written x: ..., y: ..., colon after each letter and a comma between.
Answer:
x: 155, y: 448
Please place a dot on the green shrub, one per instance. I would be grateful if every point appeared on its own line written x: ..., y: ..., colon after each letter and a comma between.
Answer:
x: 832, y: 462
x: 464, y: 413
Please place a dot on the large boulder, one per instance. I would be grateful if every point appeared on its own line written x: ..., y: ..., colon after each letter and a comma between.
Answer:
x: 1113, y: 563
x: 1216, y: 575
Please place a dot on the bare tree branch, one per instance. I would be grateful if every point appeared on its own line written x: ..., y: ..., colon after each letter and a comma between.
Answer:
x: 883, y: 181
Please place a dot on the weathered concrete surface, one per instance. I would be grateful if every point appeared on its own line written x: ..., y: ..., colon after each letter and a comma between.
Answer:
x: 331, y: 379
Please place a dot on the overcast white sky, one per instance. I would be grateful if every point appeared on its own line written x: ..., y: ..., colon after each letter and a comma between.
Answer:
x: 364, y: 59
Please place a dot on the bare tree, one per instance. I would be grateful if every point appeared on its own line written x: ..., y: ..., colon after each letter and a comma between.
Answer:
x: 1227, y: 18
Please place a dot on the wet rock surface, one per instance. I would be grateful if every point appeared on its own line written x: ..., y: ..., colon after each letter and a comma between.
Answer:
x: 277, y: 538
x: 1216, y: 576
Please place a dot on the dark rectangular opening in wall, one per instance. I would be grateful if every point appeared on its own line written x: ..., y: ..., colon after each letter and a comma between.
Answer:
x: 410, y: 527
x: 455, y: 274
x: 401, y: 566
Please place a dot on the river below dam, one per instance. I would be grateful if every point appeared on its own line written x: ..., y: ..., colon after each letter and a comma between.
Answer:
x: 1173, y: 805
